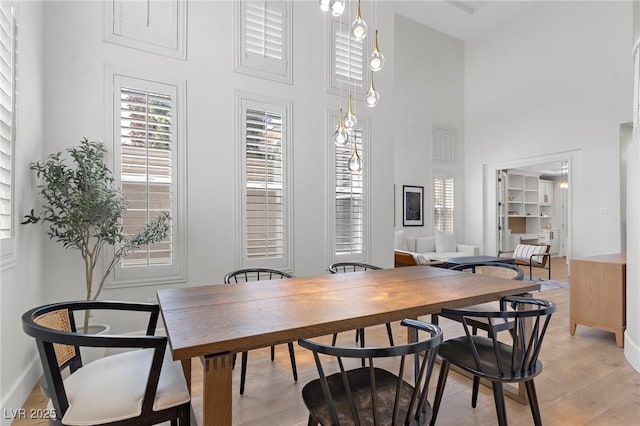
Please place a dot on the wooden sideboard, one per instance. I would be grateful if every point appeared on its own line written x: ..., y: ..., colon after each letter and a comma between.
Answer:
x: 598, y: 294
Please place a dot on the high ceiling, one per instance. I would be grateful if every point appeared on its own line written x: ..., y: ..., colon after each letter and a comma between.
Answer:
x: 464, y: 20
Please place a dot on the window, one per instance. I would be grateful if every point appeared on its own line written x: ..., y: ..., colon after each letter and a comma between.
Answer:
x: 443, y: 205
x: 348, y: 200
x: 7, y: 127
x: 443, y: 144
x: 263, y: 39
x: 148, y: 155
x: 346, y: 64
x: 158, y: 26
x: 266, y: 239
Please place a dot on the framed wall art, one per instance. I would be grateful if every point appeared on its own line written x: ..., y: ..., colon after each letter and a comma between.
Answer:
x: 412, y: 205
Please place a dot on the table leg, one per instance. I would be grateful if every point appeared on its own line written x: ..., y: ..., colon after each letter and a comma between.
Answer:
x: 216, y: 392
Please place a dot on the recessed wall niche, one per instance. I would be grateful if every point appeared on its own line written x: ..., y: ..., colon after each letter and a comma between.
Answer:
x: 157, y: 26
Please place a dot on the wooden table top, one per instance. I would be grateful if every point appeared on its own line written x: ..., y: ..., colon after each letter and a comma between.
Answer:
x: 233, y: 318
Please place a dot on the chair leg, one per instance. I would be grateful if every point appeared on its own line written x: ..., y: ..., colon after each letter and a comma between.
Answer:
x: 243, y: 371
x: 357, y: 336
x: 184, y: 418
x: 474, y: 394
x: 233, y: 362
x: 360, y: 331
x: 390, y: 334
x: 273, y: 353
x: 498, y: 397
x: 335, y: 337
x: 442, y: 380
x: 292, y: 356
x: 533, y: 402
x: 434, y: 319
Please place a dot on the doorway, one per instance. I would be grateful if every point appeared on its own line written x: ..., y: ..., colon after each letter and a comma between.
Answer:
x: 530, y: 199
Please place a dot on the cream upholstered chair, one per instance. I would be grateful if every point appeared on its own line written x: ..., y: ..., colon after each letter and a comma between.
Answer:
x: 531, y: 255
x: 141, y: 386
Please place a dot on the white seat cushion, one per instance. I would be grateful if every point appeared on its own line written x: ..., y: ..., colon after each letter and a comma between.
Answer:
x: 112, y: 388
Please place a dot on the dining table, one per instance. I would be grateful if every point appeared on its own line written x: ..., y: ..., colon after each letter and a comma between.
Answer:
x: 212, y: 322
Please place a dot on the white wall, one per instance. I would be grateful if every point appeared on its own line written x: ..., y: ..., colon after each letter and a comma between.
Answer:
x: 22, y: 286
x: 429, y: 90
x: 556, y: 78
x: 632, y: 333
x: 66, y: 103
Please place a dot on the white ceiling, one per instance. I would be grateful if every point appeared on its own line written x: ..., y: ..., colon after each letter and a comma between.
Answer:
x: 464, y: 20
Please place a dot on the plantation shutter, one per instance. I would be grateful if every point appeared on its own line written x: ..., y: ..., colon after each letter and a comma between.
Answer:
x: 263, y: 29
x: 349, y: 205
x: 348, y: 58
x: 146, y: 137
x: 264, y: 231
x: 264, y: 34
x: 443, y: 196
x: 7, y: 117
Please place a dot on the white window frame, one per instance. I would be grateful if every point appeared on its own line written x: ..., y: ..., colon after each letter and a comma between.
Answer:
x: 8, y: 244
x: 334, y: 86
x: 177, y: 28
x: 332, y: 256
x: 177, y: 271
x: 446, y: 175
x: 261, y: 66
x: 443, y: 144
x: 245, y: 101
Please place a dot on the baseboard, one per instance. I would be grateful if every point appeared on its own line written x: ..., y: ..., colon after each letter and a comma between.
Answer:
x: 20, y: 391
x: 632, y: 352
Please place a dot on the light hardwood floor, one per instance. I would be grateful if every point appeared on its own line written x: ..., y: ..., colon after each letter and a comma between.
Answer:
x: 586, y: 380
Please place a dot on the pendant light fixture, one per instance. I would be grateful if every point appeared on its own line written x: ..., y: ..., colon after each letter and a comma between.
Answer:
x: 564, y: 170
x: 324, y: 5
x: 336, y: 7
x: 350, y: 120
x: 376, y: 60
x: 359, y: 27
x: 372, y: 96
x: 355, y: 162
x: 340, y: 137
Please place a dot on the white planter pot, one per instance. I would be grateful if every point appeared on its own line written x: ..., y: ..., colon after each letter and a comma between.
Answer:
x: 92, y: 354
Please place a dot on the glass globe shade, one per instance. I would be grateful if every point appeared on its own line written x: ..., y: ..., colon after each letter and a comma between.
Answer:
x: 355, y: 162
x: 372, y: 97
x: 376, y: 61
x: 324, y: 5
x: 359, y: 29
x: 337, y: 7
x: 350, y: 121
x: 340, y: 136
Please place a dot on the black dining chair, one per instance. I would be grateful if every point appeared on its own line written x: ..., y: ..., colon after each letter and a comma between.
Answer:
x: 499, y: 361
x: 492, y: 269
x: 390, y: 390
x: 259, y: 274
x: 139, y: 386
x: 342, y: 267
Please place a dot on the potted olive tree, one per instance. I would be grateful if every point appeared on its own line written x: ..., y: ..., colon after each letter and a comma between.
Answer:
x: 83, y: 209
